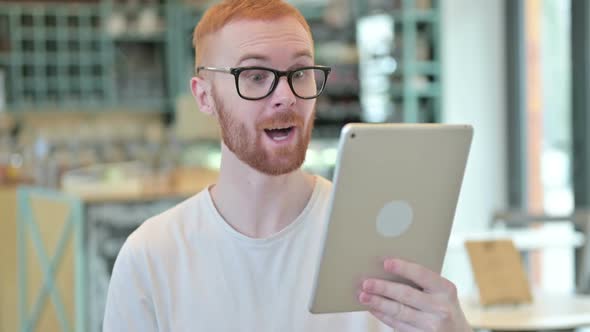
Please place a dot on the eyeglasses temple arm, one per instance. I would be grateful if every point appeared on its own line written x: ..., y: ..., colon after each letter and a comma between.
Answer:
x: 220, y: 70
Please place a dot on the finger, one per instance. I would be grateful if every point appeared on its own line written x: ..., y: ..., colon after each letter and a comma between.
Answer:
x: 421, y: 276
x: 397, y: 325
x: 400, y: 293
x: 403, y: 327
x: 395, y: 311
x: 382, y: 317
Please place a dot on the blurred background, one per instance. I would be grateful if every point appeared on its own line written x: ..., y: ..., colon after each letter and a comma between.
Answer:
x: 98, y: 130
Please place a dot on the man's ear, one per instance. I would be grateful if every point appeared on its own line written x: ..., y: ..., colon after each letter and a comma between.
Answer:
x: 201, y: 90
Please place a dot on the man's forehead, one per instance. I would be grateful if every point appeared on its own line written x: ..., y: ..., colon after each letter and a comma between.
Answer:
x: 279, y: 24
x: 255, y: 38
x: 243, y: 56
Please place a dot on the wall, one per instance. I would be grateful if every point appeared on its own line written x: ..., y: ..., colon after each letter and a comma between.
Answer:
x: 473, y: 80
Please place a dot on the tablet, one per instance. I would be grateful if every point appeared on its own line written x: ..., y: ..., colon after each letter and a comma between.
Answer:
x: 395, y: 190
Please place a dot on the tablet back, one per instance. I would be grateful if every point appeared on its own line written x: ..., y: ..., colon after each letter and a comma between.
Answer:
x: 395, y: 192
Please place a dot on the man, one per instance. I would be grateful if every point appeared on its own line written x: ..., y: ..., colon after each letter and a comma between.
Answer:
x: 240, y: 255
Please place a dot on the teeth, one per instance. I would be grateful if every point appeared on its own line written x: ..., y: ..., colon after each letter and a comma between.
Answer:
x: 280, y: 138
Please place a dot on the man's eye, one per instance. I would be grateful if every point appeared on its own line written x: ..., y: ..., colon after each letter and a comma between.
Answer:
x: 257, y: 76
x: 298, y: 74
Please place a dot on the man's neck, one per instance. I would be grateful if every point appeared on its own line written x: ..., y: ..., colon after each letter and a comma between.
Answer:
x: 259, y: 205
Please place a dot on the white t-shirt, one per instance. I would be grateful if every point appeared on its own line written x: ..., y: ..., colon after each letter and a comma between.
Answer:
x: 188, y: 270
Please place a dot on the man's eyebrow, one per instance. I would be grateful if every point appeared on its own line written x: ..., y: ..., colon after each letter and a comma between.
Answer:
x: 304, y: 53
x: 252, y: 57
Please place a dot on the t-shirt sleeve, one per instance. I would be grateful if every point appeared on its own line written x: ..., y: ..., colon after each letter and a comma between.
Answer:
x: 129, y: 305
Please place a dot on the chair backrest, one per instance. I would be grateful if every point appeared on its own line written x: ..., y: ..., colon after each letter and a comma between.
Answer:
x: 581, y: 221
x: 50, y: 261
x: 499, y: 272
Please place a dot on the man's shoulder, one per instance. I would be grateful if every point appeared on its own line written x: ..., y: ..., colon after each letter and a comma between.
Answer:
x: 164, y: 230
x: 323, y: 182
x: 324, y: 188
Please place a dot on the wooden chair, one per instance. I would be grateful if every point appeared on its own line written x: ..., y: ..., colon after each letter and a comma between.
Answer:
x: 50, y: 261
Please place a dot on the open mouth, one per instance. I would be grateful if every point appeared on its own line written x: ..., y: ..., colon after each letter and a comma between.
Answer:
x: 279, y: 134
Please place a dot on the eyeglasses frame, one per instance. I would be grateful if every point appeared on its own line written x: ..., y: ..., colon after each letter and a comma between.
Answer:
x: 236, y: 71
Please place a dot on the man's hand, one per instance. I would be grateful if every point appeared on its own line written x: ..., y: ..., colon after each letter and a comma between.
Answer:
x: 407, y: 309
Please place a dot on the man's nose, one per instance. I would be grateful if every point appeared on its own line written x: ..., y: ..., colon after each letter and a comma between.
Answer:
x: 283, y: 96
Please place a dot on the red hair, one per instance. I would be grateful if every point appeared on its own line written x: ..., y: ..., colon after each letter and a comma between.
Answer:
x: 216, y: 17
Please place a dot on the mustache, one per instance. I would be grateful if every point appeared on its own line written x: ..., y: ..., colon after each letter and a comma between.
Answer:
x: 281, y: 119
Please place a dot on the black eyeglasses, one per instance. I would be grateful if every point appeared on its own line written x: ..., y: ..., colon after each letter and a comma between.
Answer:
x: 254, y: 83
